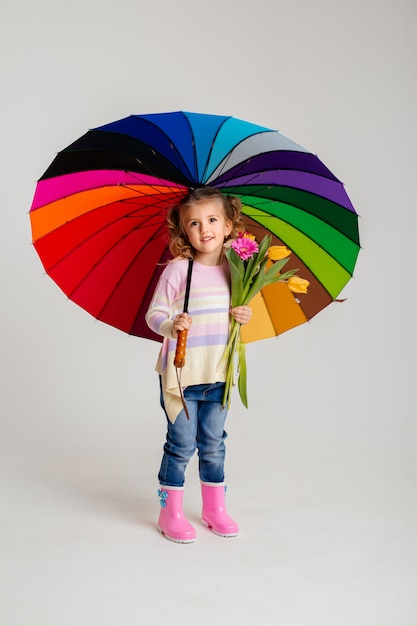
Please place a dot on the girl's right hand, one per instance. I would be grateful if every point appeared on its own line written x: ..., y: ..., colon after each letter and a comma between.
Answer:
x: 181, y: 322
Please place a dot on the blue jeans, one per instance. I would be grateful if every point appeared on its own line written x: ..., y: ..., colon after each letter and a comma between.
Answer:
x: 204, y: 430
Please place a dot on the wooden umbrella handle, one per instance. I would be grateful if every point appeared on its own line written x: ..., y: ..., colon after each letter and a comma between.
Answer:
x: 179, y: 359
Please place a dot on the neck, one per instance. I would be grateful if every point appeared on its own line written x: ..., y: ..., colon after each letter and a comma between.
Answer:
x: 210, y: 259
x: 207, y: 259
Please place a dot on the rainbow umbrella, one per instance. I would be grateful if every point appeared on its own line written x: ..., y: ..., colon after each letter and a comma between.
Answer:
x: 98, y: 213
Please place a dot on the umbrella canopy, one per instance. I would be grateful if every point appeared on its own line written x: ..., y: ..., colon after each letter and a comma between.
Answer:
x: 98, y: 213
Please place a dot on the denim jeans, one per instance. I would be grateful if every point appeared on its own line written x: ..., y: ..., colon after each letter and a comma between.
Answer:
x: 203, y: 431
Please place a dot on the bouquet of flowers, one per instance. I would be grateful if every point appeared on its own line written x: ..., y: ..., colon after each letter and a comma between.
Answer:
x: 249, y: 274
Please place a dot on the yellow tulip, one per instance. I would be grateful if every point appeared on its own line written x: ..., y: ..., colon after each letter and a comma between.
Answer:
x: 276, y: 253
x: 248, y: 235
x: 298, y: 285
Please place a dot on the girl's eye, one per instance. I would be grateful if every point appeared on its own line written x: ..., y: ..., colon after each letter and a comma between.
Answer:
x: 213, y: 219
x: 193, y: 223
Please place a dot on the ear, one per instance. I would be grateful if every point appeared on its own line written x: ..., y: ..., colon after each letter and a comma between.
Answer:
x: 228, y: 228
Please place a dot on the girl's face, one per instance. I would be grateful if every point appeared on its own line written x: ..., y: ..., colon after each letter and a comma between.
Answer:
x: 206, y: 227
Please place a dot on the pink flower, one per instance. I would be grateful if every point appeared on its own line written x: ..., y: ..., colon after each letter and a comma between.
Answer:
x: 245, y: 247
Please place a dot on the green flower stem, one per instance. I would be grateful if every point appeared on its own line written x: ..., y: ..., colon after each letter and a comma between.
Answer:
x: 229, y: 354
x: 242, y: 381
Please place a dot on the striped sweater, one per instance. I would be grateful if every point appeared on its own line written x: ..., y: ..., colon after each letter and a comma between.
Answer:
x: 209, y: 305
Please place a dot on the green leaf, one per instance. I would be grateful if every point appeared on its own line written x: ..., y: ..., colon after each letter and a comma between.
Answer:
x: 264, y: 245
x: 273, y: 274
x: 235, y: 260
x: 257, y: 284
x: 236, y: 274
x: 275, y: 268
x: 242, y: 380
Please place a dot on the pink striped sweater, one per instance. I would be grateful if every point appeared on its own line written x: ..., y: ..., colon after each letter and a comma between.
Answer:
x: 209, y: 305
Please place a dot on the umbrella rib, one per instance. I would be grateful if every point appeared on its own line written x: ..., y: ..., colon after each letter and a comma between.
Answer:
x: 305, y: 210
x: 103, y: 257
x: 195, y: 176
x: 149, y: 169
x: 267, y: 216
x: 172, y: 186
x: 234, y: 191
x: 124, y: 274
x: 240, y: 165
x: 103, y: 228
x: 179, y: 162
x: 297, y: 300
x: 154, y: 187
x: 212, y: 146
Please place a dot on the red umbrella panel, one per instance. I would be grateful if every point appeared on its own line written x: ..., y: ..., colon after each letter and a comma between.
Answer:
x: 98, y: 214
x: 107, y: 258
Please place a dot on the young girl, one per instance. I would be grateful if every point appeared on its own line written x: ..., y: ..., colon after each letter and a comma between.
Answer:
x: 198, y: 228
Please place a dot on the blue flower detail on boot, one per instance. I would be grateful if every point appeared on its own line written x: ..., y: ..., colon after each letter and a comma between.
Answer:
x: 163, y: 495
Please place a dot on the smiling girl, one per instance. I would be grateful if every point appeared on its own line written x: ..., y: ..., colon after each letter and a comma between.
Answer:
x: 198, y: 227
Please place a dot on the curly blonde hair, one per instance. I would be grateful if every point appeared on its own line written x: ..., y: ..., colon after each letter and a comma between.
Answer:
x: 178, y: 240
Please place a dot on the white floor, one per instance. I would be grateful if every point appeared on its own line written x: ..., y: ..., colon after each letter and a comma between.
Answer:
x: 328, y: 532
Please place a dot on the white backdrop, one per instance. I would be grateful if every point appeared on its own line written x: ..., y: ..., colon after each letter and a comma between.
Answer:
x: 321, y: 468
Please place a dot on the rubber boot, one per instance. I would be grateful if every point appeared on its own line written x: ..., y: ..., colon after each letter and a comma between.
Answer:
x: 172, y: 522
x: 214, y: 513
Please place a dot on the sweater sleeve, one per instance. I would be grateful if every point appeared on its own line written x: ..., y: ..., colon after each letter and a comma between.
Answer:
x: 160, y: 311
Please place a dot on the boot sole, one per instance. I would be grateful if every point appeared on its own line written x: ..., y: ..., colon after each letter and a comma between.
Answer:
x: 173, y: 539
x: 217, y: 532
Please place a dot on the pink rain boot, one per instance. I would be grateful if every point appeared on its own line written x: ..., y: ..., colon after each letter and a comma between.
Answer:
x: 172, y: 523
x: 214, y: 514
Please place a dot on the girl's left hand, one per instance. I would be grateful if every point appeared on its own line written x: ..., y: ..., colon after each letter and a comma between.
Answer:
x: 242, y: 314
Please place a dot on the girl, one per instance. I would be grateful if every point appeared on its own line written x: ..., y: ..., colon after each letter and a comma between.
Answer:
x: 198, y: 228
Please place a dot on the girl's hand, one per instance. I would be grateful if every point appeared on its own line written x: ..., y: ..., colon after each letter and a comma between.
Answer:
x: 181, y: 322
x: 242, y: 314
